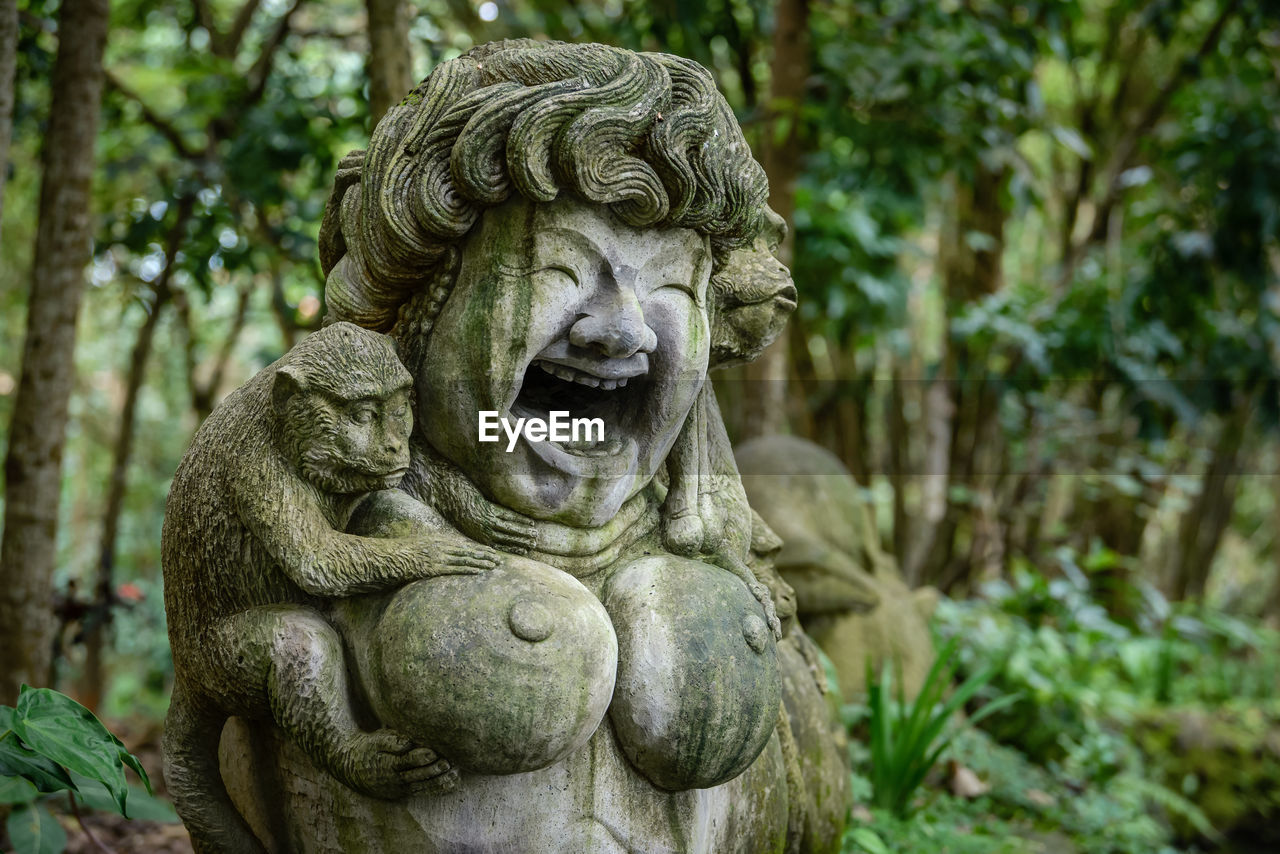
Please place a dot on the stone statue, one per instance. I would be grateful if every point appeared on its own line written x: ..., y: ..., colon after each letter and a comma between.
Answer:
x: 252, y: 547
x: 587, y: 647
x: 849, y: 592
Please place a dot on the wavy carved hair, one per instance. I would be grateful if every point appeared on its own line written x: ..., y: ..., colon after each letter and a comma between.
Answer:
x: 646, y: 134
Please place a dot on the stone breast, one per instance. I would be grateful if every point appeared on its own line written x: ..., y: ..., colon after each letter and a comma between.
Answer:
x: 502, y: 672
x: 698, y: 686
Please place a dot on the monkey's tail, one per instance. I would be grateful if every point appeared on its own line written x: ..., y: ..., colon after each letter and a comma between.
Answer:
x: 194, y: 778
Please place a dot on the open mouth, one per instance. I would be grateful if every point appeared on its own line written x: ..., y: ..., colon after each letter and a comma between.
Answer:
x: 552, y: 386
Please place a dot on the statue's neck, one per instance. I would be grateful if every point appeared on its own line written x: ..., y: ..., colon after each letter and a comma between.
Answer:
x: 584, y: 551
x: 578, y: 551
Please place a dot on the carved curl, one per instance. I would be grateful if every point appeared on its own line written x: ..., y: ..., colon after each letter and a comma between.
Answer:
x: 646, y: 134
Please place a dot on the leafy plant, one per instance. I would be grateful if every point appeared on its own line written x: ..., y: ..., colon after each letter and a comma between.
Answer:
x: 49, y: 743
x: 908, y: 739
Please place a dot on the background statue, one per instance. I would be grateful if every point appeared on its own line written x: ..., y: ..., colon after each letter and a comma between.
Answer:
x: 849, y: 592
x: 544, y: 227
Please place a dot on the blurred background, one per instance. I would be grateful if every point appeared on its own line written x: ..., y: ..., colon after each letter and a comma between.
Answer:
x: 1037, y: 246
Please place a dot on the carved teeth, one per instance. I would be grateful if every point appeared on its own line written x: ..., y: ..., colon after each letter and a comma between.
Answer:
x: 573, y: 375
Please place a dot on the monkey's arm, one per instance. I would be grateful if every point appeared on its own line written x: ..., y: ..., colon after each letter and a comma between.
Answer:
x: 392, y: 514
x: 459, y: 501
x: 326, y: 563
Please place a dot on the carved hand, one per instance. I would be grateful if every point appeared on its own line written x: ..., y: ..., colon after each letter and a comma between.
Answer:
x: 461, y: 503
x: 494, y: 525
x: 385, y: 764
x: 465, y: 559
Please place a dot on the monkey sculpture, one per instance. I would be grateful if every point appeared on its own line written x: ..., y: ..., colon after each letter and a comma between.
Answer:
x: 253, y: 550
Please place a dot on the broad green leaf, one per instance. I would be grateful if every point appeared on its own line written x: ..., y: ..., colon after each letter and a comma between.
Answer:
x: 58, y: 727
x: 142, y: 805
x: 869, y: 841
x: 132, y: 761
x: 32, y: 830
x: 17, y: 760
x: 17, y: 790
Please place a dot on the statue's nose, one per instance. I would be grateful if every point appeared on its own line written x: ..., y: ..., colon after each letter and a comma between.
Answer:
x: 613, y: 325
x: 392, y: 446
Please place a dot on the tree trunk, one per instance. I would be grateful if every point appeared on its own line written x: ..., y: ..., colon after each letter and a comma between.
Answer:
x: 1202, y: 526
x: 36, y: 436
x: 898, y: 455
x: 98, y: 625
x: 765, y: 402
x: 389, y: 62
x: 1271, y: 610
x: 962, y: 402
x: 8, y: 69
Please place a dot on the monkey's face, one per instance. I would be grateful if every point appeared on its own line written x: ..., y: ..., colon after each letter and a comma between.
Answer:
x: 353, y: 444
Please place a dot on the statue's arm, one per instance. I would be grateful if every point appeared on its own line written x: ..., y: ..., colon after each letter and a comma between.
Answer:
x: 331, y: 564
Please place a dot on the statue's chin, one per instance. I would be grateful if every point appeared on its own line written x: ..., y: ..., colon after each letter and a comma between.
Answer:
x: 544, y: 482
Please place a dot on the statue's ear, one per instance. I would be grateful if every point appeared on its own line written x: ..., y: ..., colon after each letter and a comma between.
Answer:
x: 284, y: 385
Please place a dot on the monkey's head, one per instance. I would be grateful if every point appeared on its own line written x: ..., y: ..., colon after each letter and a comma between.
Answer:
x: 343, y: 410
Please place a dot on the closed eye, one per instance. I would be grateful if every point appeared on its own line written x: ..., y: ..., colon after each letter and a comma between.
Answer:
x: 684, y: 288
x: 563, y: 270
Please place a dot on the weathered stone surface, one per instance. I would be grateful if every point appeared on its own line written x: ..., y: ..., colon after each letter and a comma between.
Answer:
x: 549, y: 811
x: 698, y: 683
x: 538, y: 227
x: 506, y: 672
x: 821, y: 751
x: 252, y: 547
x: 849, y: 594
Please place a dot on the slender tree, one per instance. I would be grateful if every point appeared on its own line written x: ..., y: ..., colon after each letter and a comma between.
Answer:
x: 99, y: 624
x: 36, y: 436
x: 764, y: 409
x: 8, y: 66
x: 389, y: 62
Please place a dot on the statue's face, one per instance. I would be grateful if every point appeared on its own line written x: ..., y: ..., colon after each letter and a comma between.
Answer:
x: 563, y: 306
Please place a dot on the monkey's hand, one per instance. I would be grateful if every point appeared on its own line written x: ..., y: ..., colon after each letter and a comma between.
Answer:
x: 384, y: 764
x: 758, y: 589
x: 497, y: 526
x: 462, y: 504
x: 468, y: 559
x: 765, y: 598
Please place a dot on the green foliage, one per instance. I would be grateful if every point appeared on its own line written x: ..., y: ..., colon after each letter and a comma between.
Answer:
x: 1223, y: 757
x: 1109, y: 815
x: 32, y: 830
x: 1108, y: 337
x: 1028, y: 808
x: 1143, y: 739
x: 908, y: 738
x: 51, y: 743
x: 1074, y: 665
x: 50, y: 728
